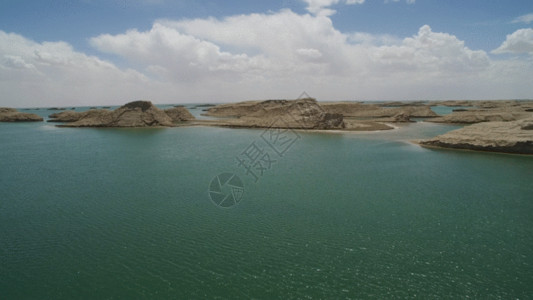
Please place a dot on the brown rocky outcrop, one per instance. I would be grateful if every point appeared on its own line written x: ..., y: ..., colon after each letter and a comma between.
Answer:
x: 361, y: 110
x: 478, y: 116
x: 507, y: 137
x: 179, y: 114
x: 471, y: 117
x: 453, y: 103
x: 13, y: 115
x: 66, y: 116
x: 330, y: 121
x: 401, y: 103
x: 133, y: 114
x: 296, y: 114
x: 240, y: 109
x: 310, y: 114
x: 256, y: 113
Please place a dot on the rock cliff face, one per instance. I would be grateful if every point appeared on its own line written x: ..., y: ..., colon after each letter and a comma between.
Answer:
x: 133, y: 114
x: 240, y: 109
x: 478, y: 116
x: 179, y: 114
x: 252, y: 111
x: 296, y: 114
x: 331, y: 121
x: 176, y: 114
x: 508, y: 137
x: 486, y: 111
x: 360, y: 110
x: 309, y: 114
x: 66, y: 116
x: 453, y: 103
x: 13, y: 115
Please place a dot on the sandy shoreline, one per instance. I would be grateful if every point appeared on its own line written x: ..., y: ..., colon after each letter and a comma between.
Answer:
x: 492, y: 126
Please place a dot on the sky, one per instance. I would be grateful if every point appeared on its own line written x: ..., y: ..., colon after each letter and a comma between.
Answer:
x: 109, y: 52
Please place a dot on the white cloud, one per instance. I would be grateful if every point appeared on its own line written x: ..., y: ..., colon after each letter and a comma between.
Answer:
x: 520, y: 41
x: 33, y: 72
x: 258, y: 56
x: 281, y: 53
x: 167, y: 53
x: 429, y: 52
x: 406, y: 1
x: 524, y: 19
x: 309, y: 53
x: 373, y: 39
x: 273, y: 39
x: 321, y: 7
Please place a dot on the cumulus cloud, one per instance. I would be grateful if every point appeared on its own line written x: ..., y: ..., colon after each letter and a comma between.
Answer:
x: 260, y: 56
x: 520, y: 41
x: 321, y: 7
x: 406, y: 1
x: 524, y: 19
x: 32, y: 72
x: 429, y: 52
x: 275, y: 40
x: 167, y: 53
x: 288, y: 51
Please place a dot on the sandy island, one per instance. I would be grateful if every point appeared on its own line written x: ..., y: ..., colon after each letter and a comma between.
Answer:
x: 497, y: 126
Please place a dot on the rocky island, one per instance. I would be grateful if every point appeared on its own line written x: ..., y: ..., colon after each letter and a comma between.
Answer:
x: 307, y: 113
x: 506, y: 137
x: 387, y: 110
x: 294, y: 114
x: 179, y: 114
x: 13, y: 115
x: 486, y: 111
x: 498, y: 126
x: 133, y: 114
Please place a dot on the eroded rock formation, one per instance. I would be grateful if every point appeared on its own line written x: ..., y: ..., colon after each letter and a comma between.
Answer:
x: 13, y: 115
x: 179, y: 114
x: 133, y: 114
x: 508, y: 137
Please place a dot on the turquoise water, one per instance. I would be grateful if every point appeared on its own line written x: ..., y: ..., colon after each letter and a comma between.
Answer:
x: 125, y: 213
x: 445, y: 110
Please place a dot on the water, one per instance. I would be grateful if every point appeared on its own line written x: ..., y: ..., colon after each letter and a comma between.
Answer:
x: 446, y: 110
x: 125, y: 213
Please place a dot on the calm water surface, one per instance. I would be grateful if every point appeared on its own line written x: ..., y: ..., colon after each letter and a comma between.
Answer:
x: 125, y: 213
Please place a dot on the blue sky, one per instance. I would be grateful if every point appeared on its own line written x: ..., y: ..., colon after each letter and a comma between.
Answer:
x: 194, y: 51
x: 483, y: 24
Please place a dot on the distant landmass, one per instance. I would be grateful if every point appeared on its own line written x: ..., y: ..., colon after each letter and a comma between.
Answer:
x: 498, y: 126
x: 13, y: 115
